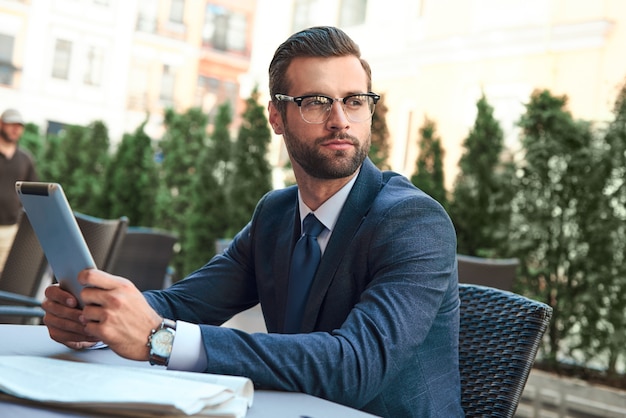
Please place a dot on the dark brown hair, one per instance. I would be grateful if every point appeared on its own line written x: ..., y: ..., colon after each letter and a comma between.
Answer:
x: 318, y: 41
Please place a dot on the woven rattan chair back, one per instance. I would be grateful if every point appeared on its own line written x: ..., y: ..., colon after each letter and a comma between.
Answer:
x: 144, y: 257
x: 500, y: 333
x: 25, y: 268
x: 26, y: 262
x: 103, y: 237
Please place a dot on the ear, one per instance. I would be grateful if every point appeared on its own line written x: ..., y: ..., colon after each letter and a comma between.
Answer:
x: 276, y: 121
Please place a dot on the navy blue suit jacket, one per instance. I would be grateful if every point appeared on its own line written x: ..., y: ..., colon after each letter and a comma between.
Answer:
x: 380, y: 330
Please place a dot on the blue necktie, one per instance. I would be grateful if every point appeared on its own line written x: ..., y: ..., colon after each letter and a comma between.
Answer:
x: 304, y: 261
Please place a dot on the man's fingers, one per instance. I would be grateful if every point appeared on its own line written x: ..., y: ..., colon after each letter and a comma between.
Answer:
x: 99, y: 279
x: 75, y: 340
x: 56, y: 294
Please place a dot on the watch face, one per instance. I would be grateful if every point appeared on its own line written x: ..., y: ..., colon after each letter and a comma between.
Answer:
x: 162, y: 341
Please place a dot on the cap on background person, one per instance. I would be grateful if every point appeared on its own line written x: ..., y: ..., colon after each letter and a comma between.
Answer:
x: 12, y: 116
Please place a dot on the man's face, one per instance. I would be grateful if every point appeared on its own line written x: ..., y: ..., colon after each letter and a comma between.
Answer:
x: 336, y: 148
x: 11, y: 132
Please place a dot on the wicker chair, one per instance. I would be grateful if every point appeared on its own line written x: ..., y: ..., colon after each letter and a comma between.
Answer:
x: 21, y: 282
x: 144, y: 257
x: 24, y: 274
x: 500, y: 334
x: 499, y: 272
x: 103, y: 237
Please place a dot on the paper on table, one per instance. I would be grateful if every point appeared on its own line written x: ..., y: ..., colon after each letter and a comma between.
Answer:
x: 124, y: 390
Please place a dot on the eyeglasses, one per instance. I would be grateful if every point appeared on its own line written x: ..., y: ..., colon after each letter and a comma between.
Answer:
x: 315, y: 108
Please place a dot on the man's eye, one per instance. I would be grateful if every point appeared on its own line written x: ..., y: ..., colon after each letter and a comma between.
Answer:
x: 315, y: 101
x: 356, y: 101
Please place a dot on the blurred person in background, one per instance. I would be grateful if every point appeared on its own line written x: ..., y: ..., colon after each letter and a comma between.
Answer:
x: 16, y: 164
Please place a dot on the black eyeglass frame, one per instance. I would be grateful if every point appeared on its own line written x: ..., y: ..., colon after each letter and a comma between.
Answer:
x: 299, y: 99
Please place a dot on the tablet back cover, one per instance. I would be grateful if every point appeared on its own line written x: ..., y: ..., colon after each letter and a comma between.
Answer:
x: 54, y: 223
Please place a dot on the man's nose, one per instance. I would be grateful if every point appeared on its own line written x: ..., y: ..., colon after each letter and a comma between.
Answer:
x: 338, y: 119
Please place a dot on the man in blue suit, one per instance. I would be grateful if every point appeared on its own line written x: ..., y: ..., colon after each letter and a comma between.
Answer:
x: 379, y: 329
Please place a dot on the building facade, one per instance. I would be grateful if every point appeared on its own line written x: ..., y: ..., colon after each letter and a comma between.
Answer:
x: 435, y: 58
x: 121, y: 61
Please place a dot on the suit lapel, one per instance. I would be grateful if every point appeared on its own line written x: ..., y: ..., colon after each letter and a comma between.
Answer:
x: 363, y: 193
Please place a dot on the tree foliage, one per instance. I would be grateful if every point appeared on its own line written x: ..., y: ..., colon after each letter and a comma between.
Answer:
x: 379, y: 149
x: 208, y: 216
x: 32, y: 141
x: 78, y: 160
x: 480, y: 206
x: 602, y: 319
x: 131, y: 181
x: 252, y: 174
x: 558, y: 195
x: 429, y: 175
x: 183, y: 142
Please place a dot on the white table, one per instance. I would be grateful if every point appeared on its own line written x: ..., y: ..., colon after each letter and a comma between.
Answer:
x: 33, y: 340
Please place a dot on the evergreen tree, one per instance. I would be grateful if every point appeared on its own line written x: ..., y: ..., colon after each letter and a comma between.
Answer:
x: 33, y: 142
x: 379, y: 150
x: 429, y: 175
x: 49, y: 165
x: 83, y: 158
x: 184, y: 139
x: 554, y: 214
x: 132, y: 180
x: 252, y: 175
x: 209, y: 214
x: 480, y: 207
x: 603, y: 332
x: 222, y: 143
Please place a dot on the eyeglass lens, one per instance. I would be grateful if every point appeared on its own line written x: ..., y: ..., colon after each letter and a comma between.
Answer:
x: 316, y: 109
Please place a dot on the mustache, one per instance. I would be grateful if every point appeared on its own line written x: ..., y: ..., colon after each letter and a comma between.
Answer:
x: 337, y: 136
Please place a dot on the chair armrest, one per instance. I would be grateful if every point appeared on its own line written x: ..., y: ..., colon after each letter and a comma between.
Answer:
x: 21, y: 311
x: 16, y: 298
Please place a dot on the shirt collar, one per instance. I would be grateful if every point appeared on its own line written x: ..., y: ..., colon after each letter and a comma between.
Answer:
x: 328, y: 212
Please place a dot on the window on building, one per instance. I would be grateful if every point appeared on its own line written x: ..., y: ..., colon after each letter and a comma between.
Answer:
x: 224, y: 29
x: 147, y: 16
x: 6, y: 59
x: 206, y: 93
x: 95, y: 62
x: 352, y: 12
x: 213, y: 92
x: 62, y: 58
x: 303, y: 11
x: 177, y: 11
x: 231, y: 92
x: 167, y: 85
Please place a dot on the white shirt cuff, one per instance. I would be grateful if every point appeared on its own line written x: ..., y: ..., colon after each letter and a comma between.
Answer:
x: 188, y: 353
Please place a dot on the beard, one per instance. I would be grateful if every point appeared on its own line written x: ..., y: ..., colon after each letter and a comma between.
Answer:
x: 4, y: 135
x: 316, y: 164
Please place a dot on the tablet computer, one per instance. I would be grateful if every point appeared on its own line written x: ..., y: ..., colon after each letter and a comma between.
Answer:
x: 58, y: 232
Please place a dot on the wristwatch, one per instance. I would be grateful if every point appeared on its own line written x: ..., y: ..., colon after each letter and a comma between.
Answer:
x: 161, y: 341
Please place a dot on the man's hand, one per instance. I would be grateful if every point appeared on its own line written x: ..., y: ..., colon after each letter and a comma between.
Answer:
x: 115, y: 313
x: 62, y: 317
